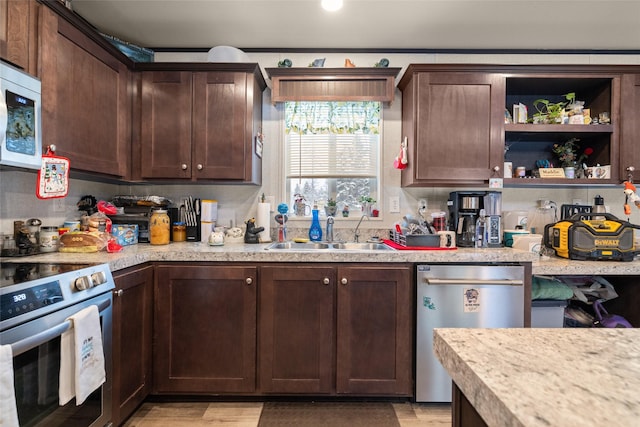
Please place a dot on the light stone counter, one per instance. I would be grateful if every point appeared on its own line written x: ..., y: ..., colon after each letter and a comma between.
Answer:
x: 202, y: 252
x: 196, y: 252
x: 546, y: 377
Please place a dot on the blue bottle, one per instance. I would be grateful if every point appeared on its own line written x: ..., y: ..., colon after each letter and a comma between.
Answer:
x: 315, y: 231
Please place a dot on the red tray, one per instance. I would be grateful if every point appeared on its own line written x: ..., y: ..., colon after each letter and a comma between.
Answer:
x: 394, y: 245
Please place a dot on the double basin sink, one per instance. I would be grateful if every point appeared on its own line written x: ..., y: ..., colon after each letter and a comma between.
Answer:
x: 326, y: 246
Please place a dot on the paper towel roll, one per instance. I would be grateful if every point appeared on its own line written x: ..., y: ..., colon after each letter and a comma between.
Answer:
x: 206, y: 227
x: 263, y: 220
x: 209, y: 210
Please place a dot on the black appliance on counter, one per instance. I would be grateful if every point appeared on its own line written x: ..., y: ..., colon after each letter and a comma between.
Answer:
x: 464, y: 211
x: 140, y: 216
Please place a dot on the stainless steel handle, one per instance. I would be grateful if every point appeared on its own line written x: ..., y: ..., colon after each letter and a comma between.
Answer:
x: 200, y: 167
x: 474, y: 282
x: 326, y: 281
x: 184, y: 166
x: 344, y: 281
x: 118, y: 293
x: 47, y: 335
x: 249, y: 280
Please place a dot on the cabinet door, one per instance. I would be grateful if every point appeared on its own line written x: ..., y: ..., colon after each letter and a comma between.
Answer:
x: 205, y: 329
x: 630, y: 126
x: 374, y: 334
x: 166, y: 124
x: 219, y: 120
x: 85, y: 99
x: 132, y: 335
x: 19, y: 33
x: 297, y: 329
x: 454, y: 121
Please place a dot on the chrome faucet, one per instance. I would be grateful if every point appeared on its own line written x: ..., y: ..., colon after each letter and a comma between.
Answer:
x: 355, y: 233
x: 329, y: 229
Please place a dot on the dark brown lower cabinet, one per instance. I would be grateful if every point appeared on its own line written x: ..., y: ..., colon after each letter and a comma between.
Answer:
x: 374, y: 330
x: 336, y: 330
x: 205, y: 329
x: 132, y: 334
x: 297, y: 329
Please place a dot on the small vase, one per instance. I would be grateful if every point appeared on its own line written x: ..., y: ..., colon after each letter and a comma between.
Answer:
x: 569, y: 172
x: 331, y: 210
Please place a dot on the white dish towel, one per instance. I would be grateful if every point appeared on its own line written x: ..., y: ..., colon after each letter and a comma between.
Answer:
x: 81, y: 356
x: 8, y: 408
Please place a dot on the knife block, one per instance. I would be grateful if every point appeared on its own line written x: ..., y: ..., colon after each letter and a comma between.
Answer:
x: 193, y: 231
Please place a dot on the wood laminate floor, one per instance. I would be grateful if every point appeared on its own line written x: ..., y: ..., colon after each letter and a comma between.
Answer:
x: 247, y: 414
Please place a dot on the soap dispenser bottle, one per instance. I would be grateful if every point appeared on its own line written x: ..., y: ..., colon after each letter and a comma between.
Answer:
x: 315, y: 231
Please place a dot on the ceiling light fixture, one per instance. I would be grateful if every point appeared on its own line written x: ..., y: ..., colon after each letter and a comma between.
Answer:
x: 331, y: 5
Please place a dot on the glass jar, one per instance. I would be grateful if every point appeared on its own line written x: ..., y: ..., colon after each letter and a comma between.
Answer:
x: 49, y: 239
x: 179, y: 232
x: 159, y: 227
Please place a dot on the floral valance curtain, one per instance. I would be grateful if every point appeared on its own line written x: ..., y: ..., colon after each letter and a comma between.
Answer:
x: 332, y: 117
x: 332, y: 139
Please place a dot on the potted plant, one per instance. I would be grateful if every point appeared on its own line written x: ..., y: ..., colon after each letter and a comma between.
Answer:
x: 552, y: 112
x: 331, y: 207
x: 567, y: 153
x: 367, y: 203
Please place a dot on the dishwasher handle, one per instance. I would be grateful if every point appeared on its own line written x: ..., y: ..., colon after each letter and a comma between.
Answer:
x: 474, y: 282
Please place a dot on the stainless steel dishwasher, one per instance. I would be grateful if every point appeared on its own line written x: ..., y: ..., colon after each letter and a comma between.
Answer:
x: 461, y: 296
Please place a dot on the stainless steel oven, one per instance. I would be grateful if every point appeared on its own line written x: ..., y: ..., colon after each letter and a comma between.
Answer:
x: 36, y: 300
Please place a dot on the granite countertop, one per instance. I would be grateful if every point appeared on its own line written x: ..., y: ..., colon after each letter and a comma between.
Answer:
x: 546, y: 377
x: 201, y: 252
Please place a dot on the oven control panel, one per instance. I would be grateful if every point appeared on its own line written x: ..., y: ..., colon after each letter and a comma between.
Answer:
x: 85, y: 282
x: 31, y: 290
x: 26, y: 300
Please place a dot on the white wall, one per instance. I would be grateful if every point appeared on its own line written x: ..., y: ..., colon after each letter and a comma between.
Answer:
x: 238, y: 203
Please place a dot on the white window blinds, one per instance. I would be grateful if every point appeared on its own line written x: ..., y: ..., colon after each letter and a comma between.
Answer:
x: 332, y: 139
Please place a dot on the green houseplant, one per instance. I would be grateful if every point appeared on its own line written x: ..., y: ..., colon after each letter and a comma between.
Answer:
x: 552, y: 112
x: 331, y: 207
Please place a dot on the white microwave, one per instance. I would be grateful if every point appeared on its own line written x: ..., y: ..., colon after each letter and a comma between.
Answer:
x: 20, y: 118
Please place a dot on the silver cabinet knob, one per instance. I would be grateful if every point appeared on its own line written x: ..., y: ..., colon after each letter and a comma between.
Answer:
x: 326, y: 281
x: 200, y: 167
x: 344, y: 281
x: 184, y: 166
x: 119, y: 293
x: 496, y: 168
x: 630, y: 169
x: 249, y: 280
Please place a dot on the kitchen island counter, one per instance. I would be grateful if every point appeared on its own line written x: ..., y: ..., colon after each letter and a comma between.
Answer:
x: 202, y: 252
x: 545, y: 377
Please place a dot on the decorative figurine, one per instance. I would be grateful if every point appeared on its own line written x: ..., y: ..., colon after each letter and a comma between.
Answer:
x: 282, y: 218
x: 348, y: 63
x: 383, y: 63
x: 317, y: 63
x: 251, y: 235
x: 285, y: 63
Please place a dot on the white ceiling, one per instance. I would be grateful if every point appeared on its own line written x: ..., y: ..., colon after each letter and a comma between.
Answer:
x: 370, y: 24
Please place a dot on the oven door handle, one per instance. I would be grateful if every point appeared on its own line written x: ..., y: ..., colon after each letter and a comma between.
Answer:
x: 47, y: 335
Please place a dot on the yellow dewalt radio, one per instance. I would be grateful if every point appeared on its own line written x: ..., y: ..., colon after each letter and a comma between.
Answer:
x: 592, y: 236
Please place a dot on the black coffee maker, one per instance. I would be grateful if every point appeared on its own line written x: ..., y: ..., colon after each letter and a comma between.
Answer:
x: 464, y: 210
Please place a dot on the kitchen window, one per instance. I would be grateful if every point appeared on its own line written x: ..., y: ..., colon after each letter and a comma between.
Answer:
x: 332, y: 152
